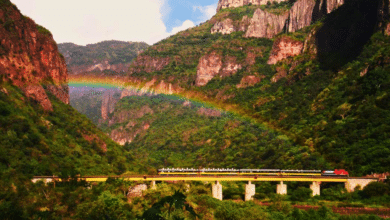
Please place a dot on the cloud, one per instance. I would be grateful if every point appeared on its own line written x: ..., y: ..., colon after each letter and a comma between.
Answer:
x: 186, y: 24
x: 89, y: 21
x: 207, y: 11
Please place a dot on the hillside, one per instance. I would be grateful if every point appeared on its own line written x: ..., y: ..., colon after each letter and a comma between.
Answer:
x: 317, y: 72
x: 109, y: 57
x: 40, y: 134
x: 164, y: 131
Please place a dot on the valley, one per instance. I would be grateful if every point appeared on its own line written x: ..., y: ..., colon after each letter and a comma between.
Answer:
x: 295, y: 85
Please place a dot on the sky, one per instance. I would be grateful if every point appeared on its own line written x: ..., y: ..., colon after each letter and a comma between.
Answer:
x: 91, y: 21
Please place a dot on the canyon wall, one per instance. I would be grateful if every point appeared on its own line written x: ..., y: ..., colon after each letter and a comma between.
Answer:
x: 29, y: 57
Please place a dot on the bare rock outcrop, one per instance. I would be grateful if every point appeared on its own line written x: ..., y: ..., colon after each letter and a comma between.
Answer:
x: 387, y: 30
x: 248, y: 81
x: 280, y: 73
x: 245, y: 21
x: 300, y: 15
x: 333, y: 4
x: 238, y: 3
x: 126, y: 134
x: 265, y: 24
x: 149, y: 64
x: 230, y: 66
x: 29, y: 57
x: 224, y: 27
x: 211, y: 65
x: 208, y: 67
x: 108, y: 103
x: 284, y: 47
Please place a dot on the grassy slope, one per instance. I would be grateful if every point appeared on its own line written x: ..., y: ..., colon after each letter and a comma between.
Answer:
x: 338, y: 112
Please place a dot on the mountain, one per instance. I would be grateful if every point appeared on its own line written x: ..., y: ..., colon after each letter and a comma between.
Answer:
x: 314, y: 70
x: 40, y: 133
x: 109, y: 56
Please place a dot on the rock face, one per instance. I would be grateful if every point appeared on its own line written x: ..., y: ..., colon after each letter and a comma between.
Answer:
x: 230, y: 66
x: 238, y: 3
x: 248, y: 81
x: 29, y: 57
x: 300, y: 15
x: 211, y: 65
x: 148, y: 64
x: 333, y: 4
x: 126, y: 134
x: 224, y: 27
x: 265, y: 24
x: 284, y: 47
x: 387, y: 31
x: 208, y: 67
x: 108, y: 103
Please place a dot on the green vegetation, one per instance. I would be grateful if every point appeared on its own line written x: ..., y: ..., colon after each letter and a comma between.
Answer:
x: 199, y: 136
x: 72, y: 199
x: 278, y: 8
x: 35, y: 142
x: 43, y: 30
x: 114, y: 51
x: 339, y: 112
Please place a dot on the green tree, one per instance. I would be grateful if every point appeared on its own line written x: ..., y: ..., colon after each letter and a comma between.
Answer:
x: 175, y: 202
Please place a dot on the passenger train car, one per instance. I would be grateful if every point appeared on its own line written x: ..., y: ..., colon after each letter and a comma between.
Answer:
x: 262, y: 172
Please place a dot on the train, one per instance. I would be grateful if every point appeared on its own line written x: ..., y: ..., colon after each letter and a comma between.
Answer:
x: 261, y: 172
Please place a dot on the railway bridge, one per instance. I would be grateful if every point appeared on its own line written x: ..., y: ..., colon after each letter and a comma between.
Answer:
x: 350, y: 182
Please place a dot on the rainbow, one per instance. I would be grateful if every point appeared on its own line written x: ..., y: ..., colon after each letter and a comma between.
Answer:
x: 197, y: 98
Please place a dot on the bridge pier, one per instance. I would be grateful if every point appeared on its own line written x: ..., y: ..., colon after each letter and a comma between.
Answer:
x: 281, y: 188
x: 217, y: 190
x: 153, y: 185
x: 315, y: 187
x: 250, y: 190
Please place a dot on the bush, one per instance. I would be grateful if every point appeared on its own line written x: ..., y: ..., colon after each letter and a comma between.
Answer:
x: 43, y: 30
x: 301, y: 194
x: 375, y: 189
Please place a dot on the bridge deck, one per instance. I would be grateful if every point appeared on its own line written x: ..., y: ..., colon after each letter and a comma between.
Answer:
x: 212, y: 178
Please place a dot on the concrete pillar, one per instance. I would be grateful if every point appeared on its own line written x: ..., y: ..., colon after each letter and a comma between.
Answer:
x: 281, y: 188
x: 315, y: 187
x: 217, y: 190
x: 250, y: 190
x: 153, y: 185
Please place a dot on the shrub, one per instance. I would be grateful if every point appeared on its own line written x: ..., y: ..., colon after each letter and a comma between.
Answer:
x: 301, y: 194
x: 43, y: 30
x: 375, y: 189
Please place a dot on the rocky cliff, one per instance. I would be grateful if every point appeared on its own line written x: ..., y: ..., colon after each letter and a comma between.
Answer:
x: 300, y: 15
x: 284, y: 47
x: 29, y: 57
x: 214, y: 64
x: 265, y: 24
x: 269, y: 21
